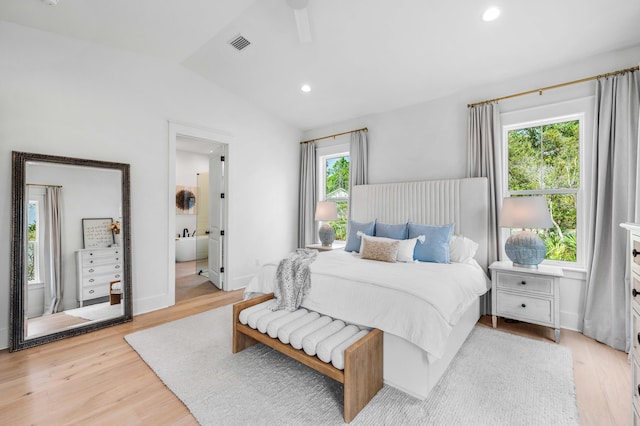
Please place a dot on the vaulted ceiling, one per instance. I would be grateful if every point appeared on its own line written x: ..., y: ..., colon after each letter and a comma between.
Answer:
x: 365, y: 56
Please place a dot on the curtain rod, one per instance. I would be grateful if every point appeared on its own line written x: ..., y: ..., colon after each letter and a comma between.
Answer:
x: 333, y: 136
x: 41, y: 184
x: 582, y: 80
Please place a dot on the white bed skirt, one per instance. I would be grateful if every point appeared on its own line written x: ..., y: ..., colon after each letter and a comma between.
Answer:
x: 406, y: 366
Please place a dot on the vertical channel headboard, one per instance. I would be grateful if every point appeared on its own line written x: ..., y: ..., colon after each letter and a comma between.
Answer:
x: 463, y: 202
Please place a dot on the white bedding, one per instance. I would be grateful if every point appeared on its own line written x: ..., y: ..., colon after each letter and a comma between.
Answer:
x: 418, y: 301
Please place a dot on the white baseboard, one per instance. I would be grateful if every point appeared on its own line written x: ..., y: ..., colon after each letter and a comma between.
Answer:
x: 240, y: 282
x: 149, y: 304
x: 571, y: 321
x: 4, y: 338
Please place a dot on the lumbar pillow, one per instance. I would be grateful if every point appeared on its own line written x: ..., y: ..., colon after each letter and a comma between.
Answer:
x: 405, y: 247
x: 397, y: 232
x: 353, y: 240
x: 385, y: 250
x: 462, y: 249
x: 436, y: 245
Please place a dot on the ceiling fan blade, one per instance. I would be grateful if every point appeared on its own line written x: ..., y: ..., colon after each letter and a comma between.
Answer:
x: 302, y: 22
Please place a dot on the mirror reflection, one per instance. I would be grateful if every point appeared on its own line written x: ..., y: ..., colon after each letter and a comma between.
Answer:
x: 71, y: 276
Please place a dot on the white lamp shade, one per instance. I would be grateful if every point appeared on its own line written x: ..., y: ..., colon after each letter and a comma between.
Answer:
x: 525, y: 212
x: 326, y: 210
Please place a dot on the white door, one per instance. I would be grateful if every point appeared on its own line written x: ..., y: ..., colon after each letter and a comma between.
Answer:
x: 216, y: 218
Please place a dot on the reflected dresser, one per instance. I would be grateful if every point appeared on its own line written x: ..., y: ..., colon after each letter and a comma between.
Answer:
x: 96, y: 269
x: 634, y: 289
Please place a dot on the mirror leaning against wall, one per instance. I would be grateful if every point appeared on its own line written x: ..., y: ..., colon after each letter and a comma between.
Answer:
x: 71, y: 251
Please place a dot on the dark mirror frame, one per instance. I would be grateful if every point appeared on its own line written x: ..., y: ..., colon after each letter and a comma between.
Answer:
x: 17, y: 339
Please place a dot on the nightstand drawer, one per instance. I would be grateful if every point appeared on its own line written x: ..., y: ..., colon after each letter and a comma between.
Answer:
x: 635, y: 285
x: 635, y: 242
x: 530, y: 283
x: 518, y: 306
x: 635, y: 330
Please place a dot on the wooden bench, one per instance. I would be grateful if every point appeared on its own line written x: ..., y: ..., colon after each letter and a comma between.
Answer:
x: 362, y: 374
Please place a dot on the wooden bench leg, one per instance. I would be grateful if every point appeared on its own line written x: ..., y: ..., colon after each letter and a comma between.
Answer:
x: 242, y: 341
x: 363, y: 374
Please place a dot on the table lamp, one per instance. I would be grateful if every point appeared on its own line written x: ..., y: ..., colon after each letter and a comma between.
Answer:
x: 326, y: 211
x: 525, y: 248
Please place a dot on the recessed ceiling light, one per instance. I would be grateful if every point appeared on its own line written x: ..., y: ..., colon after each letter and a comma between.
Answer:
x: 305, y: 88
x: 490, y: 14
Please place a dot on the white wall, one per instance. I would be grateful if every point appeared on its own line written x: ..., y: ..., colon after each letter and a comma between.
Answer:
x: 62, y: 96
x: 429, y: 140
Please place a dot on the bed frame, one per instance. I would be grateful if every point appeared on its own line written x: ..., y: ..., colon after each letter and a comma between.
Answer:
x: 463, y: 202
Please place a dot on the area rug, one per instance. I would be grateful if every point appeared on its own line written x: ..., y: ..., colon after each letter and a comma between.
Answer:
x: 496, y: 379
x: 99, y: 311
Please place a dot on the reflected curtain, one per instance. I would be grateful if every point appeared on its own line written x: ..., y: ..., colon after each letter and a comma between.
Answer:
x: 358, y: 161
x: 615, y: 197
x: 53, y: 247
x: 307, y: 195
x: 483, y: 160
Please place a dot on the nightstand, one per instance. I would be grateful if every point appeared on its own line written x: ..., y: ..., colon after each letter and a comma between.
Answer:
x: 529, y: 295
x: 337, y: 245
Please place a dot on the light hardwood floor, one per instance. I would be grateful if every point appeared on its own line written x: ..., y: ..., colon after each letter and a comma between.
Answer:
x: 98, y: 379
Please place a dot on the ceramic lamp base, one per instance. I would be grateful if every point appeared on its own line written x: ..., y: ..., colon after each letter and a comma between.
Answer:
x: 326, y: 234
x: 525, y: 249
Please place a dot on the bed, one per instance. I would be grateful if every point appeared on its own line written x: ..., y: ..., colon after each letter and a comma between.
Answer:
x: 424, y: 321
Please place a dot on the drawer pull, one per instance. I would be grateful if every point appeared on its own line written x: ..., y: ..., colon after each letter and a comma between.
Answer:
x: 635, y: 252
x: 117, y: 266
x: 523, y: 282
x: 638, y: 337
x: 634, y: 292
x: 117, y: 275
x: 91, y: 270
x: 91, y: 291
x: 523, y: 305
x: 638, y: 389
x: 91, y: 280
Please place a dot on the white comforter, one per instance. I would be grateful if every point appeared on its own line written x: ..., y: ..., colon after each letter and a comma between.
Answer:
x: 420, y: 302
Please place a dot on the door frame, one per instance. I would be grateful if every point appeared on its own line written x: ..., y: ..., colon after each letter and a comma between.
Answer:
x: 206, y: 135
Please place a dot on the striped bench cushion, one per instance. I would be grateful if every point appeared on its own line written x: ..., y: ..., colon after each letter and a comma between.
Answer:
x: 316, y: 334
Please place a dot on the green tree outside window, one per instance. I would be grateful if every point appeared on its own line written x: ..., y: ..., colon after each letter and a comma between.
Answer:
x: 337, y: 189
x: 545, y: 160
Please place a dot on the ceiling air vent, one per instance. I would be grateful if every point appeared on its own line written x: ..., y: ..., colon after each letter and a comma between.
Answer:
x: 239, y: 42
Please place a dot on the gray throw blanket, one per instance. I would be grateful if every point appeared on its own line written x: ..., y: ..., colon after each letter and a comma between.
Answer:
x: 293, y: 280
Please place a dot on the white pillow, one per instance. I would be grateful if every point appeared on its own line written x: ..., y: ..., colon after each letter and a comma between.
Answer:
x: 462, y: 249
x: 405, y: 247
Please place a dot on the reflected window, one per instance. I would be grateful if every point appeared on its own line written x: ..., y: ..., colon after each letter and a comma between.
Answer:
x: 34, y: 240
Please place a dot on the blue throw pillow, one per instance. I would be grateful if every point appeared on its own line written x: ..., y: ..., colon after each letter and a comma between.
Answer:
x: 397, y: 232
x: 436, y: 245
x: 353, y: 241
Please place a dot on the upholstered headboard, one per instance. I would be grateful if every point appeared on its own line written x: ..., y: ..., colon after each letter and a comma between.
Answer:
x: 463, y: 202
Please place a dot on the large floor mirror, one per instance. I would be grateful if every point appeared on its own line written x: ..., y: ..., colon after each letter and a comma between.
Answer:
x: 71, y: 252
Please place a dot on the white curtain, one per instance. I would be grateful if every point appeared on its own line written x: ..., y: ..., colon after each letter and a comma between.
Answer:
x: 53, y: 248
x: 615, y: 196
x: 483, y: 160
x: 358, y: 161
x: 307, y: 196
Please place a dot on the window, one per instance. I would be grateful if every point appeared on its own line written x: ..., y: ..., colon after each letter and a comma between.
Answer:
x: 33, y: 243
x: 543, y: 158
x: 333, y: 180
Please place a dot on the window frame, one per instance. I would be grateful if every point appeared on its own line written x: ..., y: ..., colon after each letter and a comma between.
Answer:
x: 324, y: 153
x: 578, y: 109
x: 37, y: 195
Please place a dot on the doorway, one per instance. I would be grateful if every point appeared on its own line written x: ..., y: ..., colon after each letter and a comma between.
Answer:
x: 199, y: 216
